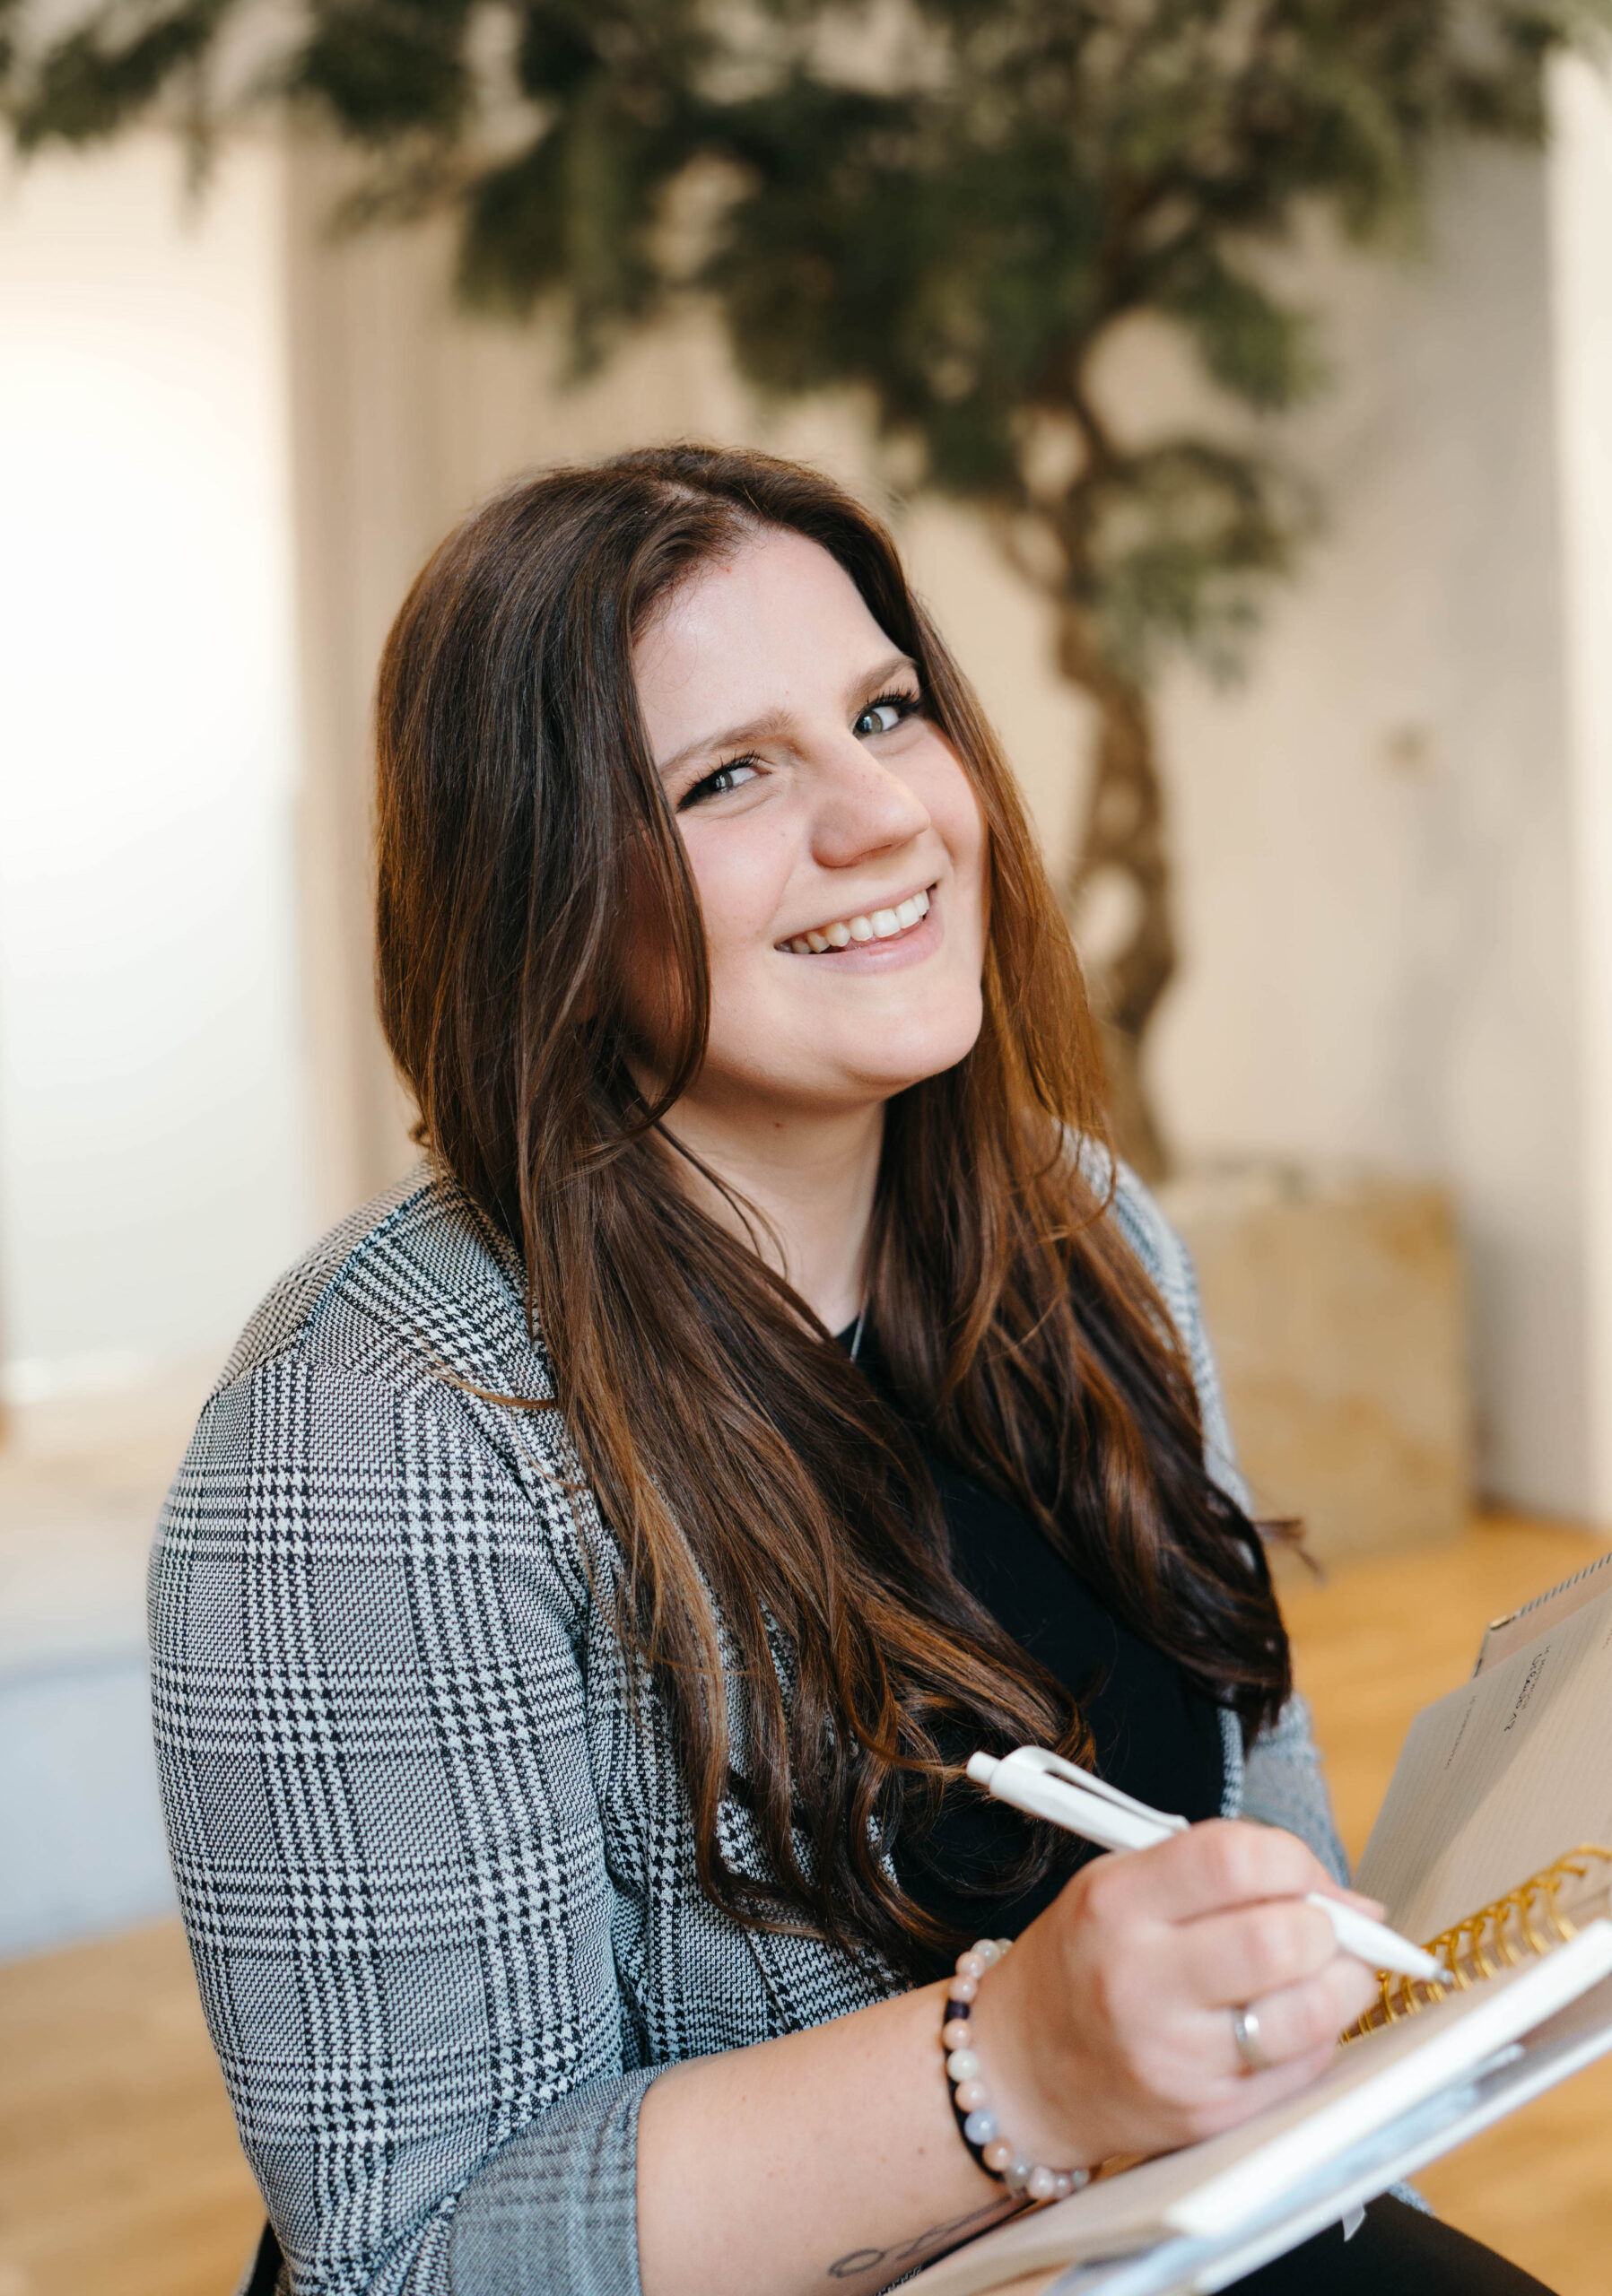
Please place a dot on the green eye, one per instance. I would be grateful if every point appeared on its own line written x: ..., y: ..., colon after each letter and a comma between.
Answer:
x: 884, y: 715
x: 726, y: 779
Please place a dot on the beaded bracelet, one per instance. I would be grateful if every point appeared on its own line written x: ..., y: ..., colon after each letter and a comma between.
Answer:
x: 997, y: 2154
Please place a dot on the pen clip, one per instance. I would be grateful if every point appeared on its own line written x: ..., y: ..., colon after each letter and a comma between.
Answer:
x: 1044, y: 1785
x: 1053, y: 1765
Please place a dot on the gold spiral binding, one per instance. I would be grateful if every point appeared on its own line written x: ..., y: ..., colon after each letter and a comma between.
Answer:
x: 1524, y: 1924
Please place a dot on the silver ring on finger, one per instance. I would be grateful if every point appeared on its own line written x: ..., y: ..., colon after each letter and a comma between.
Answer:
x: 1245, y: 2032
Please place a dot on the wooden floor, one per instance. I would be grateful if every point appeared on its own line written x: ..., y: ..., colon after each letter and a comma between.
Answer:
x: 119, y: 2174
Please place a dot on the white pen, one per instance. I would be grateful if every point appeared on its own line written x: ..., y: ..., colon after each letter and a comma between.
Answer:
x: 1044, y: 1785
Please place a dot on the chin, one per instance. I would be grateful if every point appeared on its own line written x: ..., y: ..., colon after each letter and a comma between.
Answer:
x: 897, y: 1068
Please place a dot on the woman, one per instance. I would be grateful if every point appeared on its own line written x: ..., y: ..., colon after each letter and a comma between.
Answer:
x: 599, y: 1556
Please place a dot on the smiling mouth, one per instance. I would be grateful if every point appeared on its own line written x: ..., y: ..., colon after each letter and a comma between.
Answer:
x: 867, y: 925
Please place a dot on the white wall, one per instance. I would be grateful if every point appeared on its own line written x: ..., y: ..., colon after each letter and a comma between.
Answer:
x: 1377, y: 893
x: 150, y: 1092
x: 1581, y: 199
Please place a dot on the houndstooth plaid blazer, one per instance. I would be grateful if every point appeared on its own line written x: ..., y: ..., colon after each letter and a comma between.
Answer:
x: 437, y: 1870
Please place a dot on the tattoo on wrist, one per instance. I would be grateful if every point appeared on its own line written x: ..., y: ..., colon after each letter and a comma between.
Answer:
x: 861, y: 2260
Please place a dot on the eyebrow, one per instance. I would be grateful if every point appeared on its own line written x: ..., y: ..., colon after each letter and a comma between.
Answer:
x: 773, y: 722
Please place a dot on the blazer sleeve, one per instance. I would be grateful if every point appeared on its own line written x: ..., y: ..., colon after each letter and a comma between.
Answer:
x: 370, y: 1729
x: 1279, y: 1780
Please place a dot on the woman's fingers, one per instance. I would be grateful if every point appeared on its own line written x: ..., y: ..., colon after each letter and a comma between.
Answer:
x: 1299, y: 2020
x: 1227, y: 1904
x: 1213, y: 2085
x: 1222, y: 1862
x: 1252, y: 1950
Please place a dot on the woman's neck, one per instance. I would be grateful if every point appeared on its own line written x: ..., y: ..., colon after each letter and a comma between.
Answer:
x: 812, y: 1179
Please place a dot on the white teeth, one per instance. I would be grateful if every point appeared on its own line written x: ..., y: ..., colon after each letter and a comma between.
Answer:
x: 880, y: 924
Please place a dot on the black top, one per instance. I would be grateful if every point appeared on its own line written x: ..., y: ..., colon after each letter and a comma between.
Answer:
x: 1157, y: 1736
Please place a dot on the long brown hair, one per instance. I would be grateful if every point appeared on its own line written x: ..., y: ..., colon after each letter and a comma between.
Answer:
x: 786, y: 1574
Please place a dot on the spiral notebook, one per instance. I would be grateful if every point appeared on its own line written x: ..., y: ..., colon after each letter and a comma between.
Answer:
x: 1494, y: 1846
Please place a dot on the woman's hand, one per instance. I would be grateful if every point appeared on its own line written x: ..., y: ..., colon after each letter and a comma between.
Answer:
x: 829, y: 2155
x: 1109, y: 2028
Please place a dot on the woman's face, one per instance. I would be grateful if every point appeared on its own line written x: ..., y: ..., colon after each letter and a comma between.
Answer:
x: 833, y: 836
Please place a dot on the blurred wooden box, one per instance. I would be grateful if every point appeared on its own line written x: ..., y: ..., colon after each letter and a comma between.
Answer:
x: 1335, y: 1304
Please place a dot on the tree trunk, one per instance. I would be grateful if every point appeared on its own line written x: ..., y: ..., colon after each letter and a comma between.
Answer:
x: 1122, y: 838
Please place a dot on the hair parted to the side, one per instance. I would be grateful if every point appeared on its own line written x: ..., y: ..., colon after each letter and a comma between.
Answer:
x: 747, y: 1470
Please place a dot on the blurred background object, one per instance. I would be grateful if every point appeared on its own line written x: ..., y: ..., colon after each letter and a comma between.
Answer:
x: 1335, y: 1300
x: 1147, y: 327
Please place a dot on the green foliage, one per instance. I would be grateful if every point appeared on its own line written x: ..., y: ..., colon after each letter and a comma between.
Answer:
x: 385, y: 67
x: 1255, y: 348
x: 1180, y: 542
x: 97, y: 79
x: 576, y: 212
x: 553, y: 54
x: 947, y: 205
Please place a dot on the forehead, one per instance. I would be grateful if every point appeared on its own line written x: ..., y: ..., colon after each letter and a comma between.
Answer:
x: 772, y: 626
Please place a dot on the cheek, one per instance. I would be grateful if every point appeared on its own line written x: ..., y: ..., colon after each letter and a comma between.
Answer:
x: 954, y: 811
x: 740, y: 881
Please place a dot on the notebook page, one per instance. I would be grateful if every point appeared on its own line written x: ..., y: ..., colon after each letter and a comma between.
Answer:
x: 1498, y: 1779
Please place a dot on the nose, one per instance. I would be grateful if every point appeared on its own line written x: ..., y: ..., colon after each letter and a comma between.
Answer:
x: 861, y: 808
